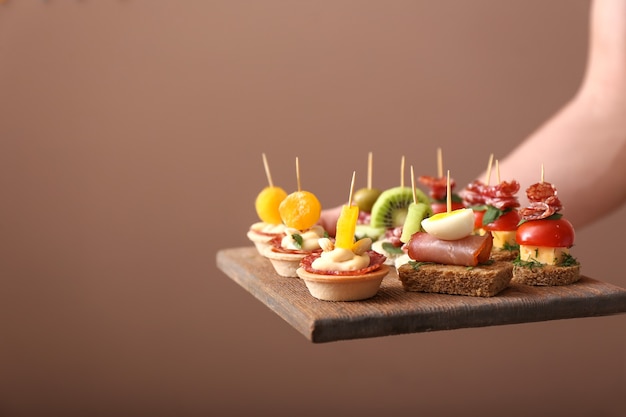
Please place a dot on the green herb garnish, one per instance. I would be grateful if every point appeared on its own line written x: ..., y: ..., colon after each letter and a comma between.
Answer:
x: 298, y: 239
x: 481, y: 207
x: 530, y: 264
x: 416, y: 264
x: 554, y: 216
x: 568, y: 260
x: 391, y: 248
x: 492, y: 214
x: 510, y: 247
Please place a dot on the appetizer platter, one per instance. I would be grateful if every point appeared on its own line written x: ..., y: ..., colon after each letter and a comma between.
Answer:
x: 444, y: 270
x: 394, y: 311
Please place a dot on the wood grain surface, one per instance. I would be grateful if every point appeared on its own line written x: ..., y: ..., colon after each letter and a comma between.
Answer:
x: 394, y: 311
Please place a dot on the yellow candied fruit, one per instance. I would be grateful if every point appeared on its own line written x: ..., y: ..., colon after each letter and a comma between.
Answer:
x: 267, y: 203
x: 300, y: 210
x: 346, y: 226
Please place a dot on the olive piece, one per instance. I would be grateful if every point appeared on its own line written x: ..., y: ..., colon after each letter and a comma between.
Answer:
x: 365, y: 198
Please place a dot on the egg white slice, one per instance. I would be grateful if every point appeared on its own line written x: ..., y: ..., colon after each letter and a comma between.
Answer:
x: 452, y: 225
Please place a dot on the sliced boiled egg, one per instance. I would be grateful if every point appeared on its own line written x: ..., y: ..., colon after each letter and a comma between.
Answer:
x: 452, y: 225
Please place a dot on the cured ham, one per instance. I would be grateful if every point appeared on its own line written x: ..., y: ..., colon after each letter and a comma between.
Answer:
x: 468, y: 251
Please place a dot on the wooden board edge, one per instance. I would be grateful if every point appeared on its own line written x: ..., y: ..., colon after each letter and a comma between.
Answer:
x: 324, y: 330
x: 240, y: 275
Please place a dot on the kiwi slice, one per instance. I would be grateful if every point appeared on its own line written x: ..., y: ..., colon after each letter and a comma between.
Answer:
x: 413, y: 223
x: 391, y: 207
x: 366, y: 230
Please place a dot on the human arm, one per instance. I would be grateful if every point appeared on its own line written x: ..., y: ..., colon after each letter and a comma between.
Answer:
x: 583, y: 146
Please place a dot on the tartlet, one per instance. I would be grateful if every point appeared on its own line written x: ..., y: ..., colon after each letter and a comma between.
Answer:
x: 286, y: 260
x: 261, y: 234
x: 344, y: 285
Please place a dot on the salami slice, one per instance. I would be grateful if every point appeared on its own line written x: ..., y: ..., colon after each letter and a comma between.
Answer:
x: 438, y: 185
x: 544, y: 201
x: 376, y: 260
x: 276, y: 247
x: 473, y: 194
x: 469, y: 251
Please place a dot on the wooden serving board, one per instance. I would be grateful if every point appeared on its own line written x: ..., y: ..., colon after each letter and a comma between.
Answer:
x: 394, y: 311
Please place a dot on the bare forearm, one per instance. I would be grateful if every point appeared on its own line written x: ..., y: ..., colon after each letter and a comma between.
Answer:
x: 583, y: 146
x: 583, y: 152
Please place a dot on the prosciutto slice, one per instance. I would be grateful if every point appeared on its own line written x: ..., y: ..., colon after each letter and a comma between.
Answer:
x: 469, y: 251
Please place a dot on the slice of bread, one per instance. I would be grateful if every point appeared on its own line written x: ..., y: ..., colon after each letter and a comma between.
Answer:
x: 504, y: 254
x: 480, y: 281
x: 546, y: 275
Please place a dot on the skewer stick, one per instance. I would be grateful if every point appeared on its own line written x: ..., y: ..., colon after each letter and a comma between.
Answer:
x: 298, y: 173
x: 488, y: 178
x: 351, y: 189
x: 402, y: 172
x: 497, y: 172
x: 439, y: 163
x: 448, y: 196
x: 267, y: 171
x: 542, y: 173
x: 369, y: 170
x: 413, y: 185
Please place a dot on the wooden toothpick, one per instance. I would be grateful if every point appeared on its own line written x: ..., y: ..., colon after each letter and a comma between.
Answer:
x: 497, y: 172
x: 439, y: 163
x: 448, y: 196
x: 413, y: 185
x: 298, y: 173
x: 267, y: 171
x: 488, y: 178
x: 402, y: 172
x: 351, y: 189
x: 369, y: 170
x: 542, y: 173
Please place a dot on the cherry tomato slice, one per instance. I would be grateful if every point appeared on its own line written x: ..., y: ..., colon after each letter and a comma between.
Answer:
x: 508, y: 221
x: 478, y: 219
x: 557, y: 233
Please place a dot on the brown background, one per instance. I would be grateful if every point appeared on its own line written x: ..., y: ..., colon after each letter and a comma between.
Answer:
x: 131, y: 135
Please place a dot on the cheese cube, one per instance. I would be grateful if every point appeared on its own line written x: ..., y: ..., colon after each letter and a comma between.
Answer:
x: 544, y: 255
x: 505, y: 238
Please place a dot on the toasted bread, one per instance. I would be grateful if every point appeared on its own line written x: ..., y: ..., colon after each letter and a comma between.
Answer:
x: 498, y: 254
x: 480, y: 281
x: 546, y: 275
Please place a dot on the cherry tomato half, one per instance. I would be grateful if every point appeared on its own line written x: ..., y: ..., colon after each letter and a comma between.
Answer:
x: 508, y: 221
x: 478, y: 219
x: 557, y: 233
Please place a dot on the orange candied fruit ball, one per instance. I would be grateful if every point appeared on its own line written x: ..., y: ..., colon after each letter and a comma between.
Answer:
x: 300, y: 210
